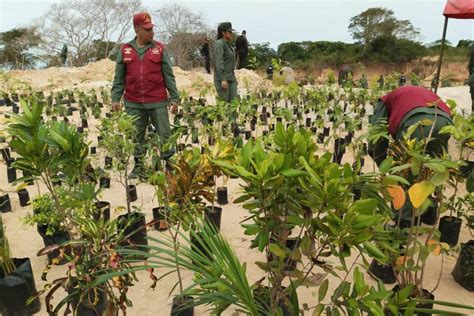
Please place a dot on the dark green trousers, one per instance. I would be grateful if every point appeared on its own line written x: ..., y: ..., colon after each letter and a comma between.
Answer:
x: 229, y: 94
x: 160, y: 120
x: 438, y: 142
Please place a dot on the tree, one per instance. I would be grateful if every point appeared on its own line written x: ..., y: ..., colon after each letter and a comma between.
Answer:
x: 376, y: 22
x: 79, y: 23
x: 263, y: 54
x: 16, y: 47
x: 389, y: 49
x: 437, y: 44
x: 183, y: 30
x: 465, y: 43
x: 293, y: 51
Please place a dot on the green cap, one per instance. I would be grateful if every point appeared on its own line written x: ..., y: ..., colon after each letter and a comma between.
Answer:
x: 225, y: 26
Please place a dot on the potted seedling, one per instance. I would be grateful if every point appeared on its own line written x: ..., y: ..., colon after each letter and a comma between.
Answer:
x: 118, y: 136
x: 44, y: 149
x: 283, y: 191
x: 463, y: 271
x: 188, y: 184
x: 222, y: 151
x: 427, y: 177
x: 17, y: 283
x: 50, y: 224
x: 91, y: 257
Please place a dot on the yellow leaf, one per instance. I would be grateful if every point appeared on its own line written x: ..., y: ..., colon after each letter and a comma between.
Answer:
x: 398, y: 196
x: 411, y: 143
x: 444, y: 246
x: 21, y: 186
x: 119, y: 209
x: 437, y: 249
x: 419, y: 192
x: 401, y: 260
x: 426, y: 122
x: 470, y: 144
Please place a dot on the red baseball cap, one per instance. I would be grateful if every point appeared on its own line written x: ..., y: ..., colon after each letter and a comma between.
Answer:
x: 143, y: 19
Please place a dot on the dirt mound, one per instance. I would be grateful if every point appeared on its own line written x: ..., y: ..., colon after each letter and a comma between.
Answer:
x: 101, y: 73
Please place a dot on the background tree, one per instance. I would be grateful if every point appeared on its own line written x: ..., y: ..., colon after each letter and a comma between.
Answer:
x: 376, y: 22
x: 183, y: 31
x: 263, y: 54
x: 80, y: 23
x: 466, y: 44
x: 293, y: 51
x: 17, y: 48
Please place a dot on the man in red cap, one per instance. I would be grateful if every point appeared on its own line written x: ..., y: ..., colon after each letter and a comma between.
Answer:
x: 144, y: 78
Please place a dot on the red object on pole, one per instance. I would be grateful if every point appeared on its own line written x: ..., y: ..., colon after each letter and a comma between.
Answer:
x: 459, y: 9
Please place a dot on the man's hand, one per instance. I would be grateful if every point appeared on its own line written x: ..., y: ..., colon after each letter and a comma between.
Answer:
x: 224, y: 84
x: 174, y: 107
x: 116, y: 106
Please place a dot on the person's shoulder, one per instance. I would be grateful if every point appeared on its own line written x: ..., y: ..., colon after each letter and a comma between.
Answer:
x: 219, y: 42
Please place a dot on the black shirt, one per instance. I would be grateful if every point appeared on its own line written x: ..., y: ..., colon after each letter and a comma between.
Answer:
x: 242, y: 44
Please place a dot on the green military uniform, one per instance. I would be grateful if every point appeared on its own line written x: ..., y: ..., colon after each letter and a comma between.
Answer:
x: 437, y: 144
x: 224, y: 55
x: 156, y: 112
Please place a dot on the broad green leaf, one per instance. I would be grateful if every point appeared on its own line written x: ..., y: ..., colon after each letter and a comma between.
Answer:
x: 436, y: 167
x: 440, y: 178
x: 277, y: 250
x: 366, y: 206
x: 386, y: 165
x: 359, y: 283
x: 291, y: 173
x: 374, y: 251
x: 323, y: 289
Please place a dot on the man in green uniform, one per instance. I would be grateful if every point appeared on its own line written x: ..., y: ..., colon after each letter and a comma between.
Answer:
x: 402, y: 108
x: 63, y: 55
x: 144, y: 77
x: 224, y: 54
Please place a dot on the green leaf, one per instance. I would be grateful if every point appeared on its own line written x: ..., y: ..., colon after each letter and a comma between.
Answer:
x: 440, y: 178
x: 242, y: 198
x: 359, y: 283
x: 366, y: 206
x: 374, y: 251
x: 364, y: 221
x: 400, y: 168
x: 292, y: 173
x: 436, y: 167
x: 251, y: 229
x: 391, y: 179
x: 277, y: 250
x: 323, y: 289
x: 386, y: 165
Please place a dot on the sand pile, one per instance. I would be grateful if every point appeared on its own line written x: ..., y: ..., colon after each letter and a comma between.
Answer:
x: 101, y: 73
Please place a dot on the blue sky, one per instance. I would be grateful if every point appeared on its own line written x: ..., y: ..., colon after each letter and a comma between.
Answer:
x: 282, y: 21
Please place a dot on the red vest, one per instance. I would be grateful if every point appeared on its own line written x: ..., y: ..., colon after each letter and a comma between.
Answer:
x: 401, y: 101
x: 144, y: 82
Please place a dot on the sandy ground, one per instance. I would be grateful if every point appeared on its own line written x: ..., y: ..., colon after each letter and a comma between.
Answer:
x: 25, y: 241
